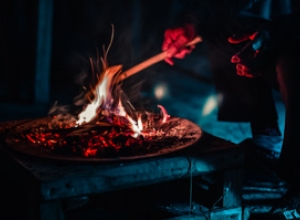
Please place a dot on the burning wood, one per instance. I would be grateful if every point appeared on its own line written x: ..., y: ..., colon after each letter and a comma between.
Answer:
x: 104, y: 128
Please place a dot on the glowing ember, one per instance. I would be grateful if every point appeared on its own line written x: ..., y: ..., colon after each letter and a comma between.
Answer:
x: 107, y: 126
x: 102, y: 142
x: 105, y: 104
x: 103, y: 122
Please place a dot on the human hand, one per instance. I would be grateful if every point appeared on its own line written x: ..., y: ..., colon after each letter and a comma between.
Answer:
x: 175, y: 41
x: 251, y: 58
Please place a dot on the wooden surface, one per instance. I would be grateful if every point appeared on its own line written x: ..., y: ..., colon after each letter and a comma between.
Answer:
x: 51, y: 181
x: 59, y: 179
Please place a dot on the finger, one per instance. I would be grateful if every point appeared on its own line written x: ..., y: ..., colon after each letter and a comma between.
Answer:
x: 167, y: 42
x: 238, y: 39
x: 235, y: 39
x: 168, y: 39
x: 247, y: 72
x: 252, y: 36
x: 242, y: 70
x: 181, y: 41
x: 175, y: 49
x: 169, y: 61
x: 248, y: 75
x: 165, y: 47
x: 239, y: 70
x: 171, y: 51
x: 235, y: 59
x: 174, y: 33
x: 182, y: 53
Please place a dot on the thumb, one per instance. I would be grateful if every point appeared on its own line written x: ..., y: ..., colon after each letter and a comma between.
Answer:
x: 238, y: 38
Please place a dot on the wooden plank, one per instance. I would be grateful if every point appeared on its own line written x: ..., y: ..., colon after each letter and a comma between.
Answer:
x: 63, y: 180
x: 52, y: 181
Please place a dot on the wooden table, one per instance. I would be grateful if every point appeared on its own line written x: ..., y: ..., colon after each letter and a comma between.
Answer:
x: 47, y: 183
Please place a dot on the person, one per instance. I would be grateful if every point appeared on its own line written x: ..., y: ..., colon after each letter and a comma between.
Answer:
x: 253, y: 47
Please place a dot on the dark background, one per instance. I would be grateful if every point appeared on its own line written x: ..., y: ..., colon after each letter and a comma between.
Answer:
x: 78, y: 29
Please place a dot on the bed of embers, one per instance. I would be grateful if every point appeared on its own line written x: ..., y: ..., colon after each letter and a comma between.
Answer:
x: 101, y: 140
x: 107, y: 126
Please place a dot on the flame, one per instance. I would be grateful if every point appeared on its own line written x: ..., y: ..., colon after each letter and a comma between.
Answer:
x: 102, y: 102
x: 93, y: 132
x: 104, y: 99
x: 166, y: 116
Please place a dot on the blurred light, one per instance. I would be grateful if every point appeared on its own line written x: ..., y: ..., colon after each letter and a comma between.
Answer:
x: 160, y: 91
x: 210, y: 105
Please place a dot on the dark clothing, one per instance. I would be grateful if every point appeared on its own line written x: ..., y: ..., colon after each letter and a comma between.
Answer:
x: 243, y: 99
x: 287, y: 69
x: 240, y: 99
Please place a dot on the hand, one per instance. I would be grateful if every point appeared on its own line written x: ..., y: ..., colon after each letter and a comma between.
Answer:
x: 251, y: 59
x: 175, y: 40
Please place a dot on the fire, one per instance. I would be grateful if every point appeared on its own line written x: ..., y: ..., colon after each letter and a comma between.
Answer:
x: 107, y: 127
x: 104, y: 100
x: 103, y: 104
x: 106, y: 123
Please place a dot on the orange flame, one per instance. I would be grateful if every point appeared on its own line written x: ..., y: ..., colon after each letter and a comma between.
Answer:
x: 102, y: 100
x: 102, y: 96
